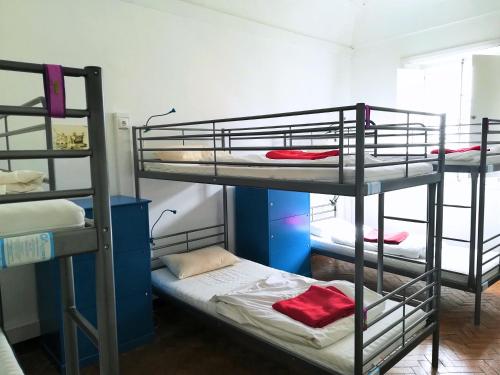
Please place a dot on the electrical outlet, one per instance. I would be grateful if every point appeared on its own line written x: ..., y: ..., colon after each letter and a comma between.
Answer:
x: 122, y: 120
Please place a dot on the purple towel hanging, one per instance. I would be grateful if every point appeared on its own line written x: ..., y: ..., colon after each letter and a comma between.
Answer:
x: 367, y: 116
x: 55, y: 95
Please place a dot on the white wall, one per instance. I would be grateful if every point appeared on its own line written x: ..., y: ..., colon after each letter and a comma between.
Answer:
x: 203, y: 63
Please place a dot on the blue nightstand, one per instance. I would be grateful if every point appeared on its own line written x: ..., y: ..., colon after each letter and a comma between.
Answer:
x: 272, y: 228
x: 132, y: 259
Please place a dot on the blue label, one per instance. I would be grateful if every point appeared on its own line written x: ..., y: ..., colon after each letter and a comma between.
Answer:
x: 26, y: 249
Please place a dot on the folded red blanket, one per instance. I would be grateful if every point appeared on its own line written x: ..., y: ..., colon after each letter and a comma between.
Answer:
x: 389, y: 238
x: 300, y: 155
x: 317, y: 307
x: 453, y: 151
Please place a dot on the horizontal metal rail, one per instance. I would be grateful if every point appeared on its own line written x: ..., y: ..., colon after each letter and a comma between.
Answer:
x: 401, y: 288
x: 398, y: 321
x: 401, y: 335
x: 188, y: 231
x: 400, y: 304
x: 44, y: 154
x: 164, y: 246
x: 45, y: 195
x: 396, y: 218
x: 16, y: 66
x: 38, y: 111
x: 29, y: 129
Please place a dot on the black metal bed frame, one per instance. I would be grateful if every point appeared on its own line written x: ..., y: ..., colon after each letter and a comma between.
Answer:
x: 349, y: 137
x: 96, y: 235
x: 476, y: 278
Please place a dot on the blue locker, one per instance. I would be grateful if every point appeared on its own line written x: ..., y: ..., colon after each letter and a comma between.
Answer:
x: 132, y: 261
x: 272, y: 228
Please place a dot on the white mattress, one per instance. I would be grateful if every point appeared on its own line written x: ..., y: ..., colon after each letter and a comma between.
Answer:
x: 198, y: 290
x: 39, y: 216
x: 454, y: 258
x: 8, y: 363
x: 471, y: 158
x: 323, y: 174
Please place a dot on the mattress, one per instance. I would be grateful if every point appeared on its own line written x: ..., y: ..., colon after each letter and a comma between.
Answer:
x: 473, y: 158
x: 322, y: 174
x: 8, y: 362
x: 455, y: 260
x: 198, y: 290
x: 39, y: 216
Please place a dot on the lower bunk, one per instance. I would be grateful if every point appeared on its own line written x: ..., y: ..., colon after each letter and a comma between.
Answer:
x: 392, y: 326
x: 334, y: 238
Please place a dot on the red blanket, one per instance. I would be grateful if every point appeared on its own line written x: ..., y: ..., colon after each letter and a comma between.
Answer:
x: 300, y: 155
x: 317, y: 307
x: 453, y: 151
x: 389, y: 238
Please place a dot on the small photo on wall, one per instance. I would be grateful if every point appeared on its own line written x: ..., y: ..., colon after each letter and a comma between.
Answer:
x: 70, y: 137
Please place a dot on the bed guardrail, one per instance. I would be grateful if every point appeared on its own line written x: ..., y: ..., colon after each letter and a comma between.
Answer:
x: 397, y: 137
x: 95, y: 236
x: 481, y: 251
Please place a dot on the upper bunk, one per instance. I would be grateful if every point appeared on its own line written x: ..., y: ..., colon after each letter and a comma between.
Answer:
x: 473, y: 148
x: 328, y: 151
x: 28, y: 207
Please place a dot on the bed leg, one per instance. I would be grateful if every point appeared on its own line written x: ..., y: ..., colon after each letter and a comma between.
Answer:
x: 477, y: 309
x: 69, y: 326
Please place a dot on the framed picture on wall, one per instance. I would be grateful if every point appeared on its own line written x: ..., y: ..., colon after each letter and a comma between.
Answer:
x: 70, y: 137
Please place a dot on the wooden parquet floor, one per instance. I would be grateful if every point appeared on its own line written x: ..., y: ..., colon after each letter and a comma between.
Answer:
x: 185, y: 346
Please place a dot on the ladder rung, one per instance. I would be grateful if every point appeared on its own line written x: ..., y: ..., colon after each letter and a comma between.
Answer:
x: 87, y: 328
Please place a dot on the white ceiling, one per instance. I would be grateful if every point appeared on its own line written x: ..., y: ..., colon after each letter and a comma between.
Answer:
x: 330, y: 20
x: 349, y: 23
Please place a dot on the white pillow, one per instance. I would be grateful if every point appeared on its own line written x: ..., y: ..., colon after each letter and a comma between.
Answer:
x: 198, y: 261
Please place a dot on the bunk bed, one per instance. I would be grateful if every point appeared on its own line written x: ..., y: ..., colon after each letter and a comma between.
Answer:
x: 462, y: 258
x: 43, y: 224
x: 377, y: 150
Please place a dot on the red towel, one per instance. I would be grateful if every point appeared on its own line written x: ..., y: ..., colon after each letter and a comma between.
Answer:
x: 453, y: 151
x: 317, y: 307
x: 300, y: 155
x: 390, y: 238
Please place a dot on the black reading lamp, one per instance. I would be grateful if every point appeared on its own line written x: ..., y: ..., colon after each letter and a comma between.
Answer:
x: 160, y: 115
x: 151, y: 240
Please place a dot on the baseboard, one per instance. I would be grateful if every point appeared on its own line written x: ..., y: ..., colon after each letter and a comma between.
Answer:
x: 22, y: 333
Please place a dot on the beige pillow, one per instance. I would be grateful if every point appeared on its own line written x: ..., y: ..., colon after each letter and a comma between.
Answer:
x: 198, y: 261
x: 205, y: 155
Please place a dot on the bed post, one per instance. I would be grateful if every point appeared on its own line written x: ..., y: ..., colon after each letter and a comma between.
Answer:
x: 105, y: 285
x: 380, y: 254
x: 68, y: 304
x: 136, y: 163
x: 480, y: 232
x: 359, y: 242
x: 439, y: 235
x: 473, y: 227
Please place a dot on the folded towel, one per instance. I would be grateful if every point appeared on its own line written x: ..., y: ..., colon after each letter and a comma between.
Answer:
x: 300, y: 155
x: 389, y: 238
x: 453, y: 151
x: 317, y: 307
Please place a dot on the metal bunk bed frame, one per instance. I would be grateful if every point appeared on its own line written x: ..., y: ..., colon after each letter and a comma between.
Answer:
x: 96, y: 235
x: 477, y: 281
x: 223, y: 139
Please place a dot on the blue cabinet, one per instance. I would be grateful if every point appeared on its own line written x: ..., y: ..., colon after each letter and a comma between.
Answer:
x: 272, y: 228
x: 132, y: 259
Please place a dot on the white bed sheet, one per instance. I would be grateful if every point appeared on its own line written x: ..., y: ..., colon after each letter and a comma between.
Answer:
x: 471, y: 158
x: 8, y: 362
x: 454, y: 258
x: 342, y: 232
x: 40, y: 216
x: 198, y: 290
x: 324, y: 174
